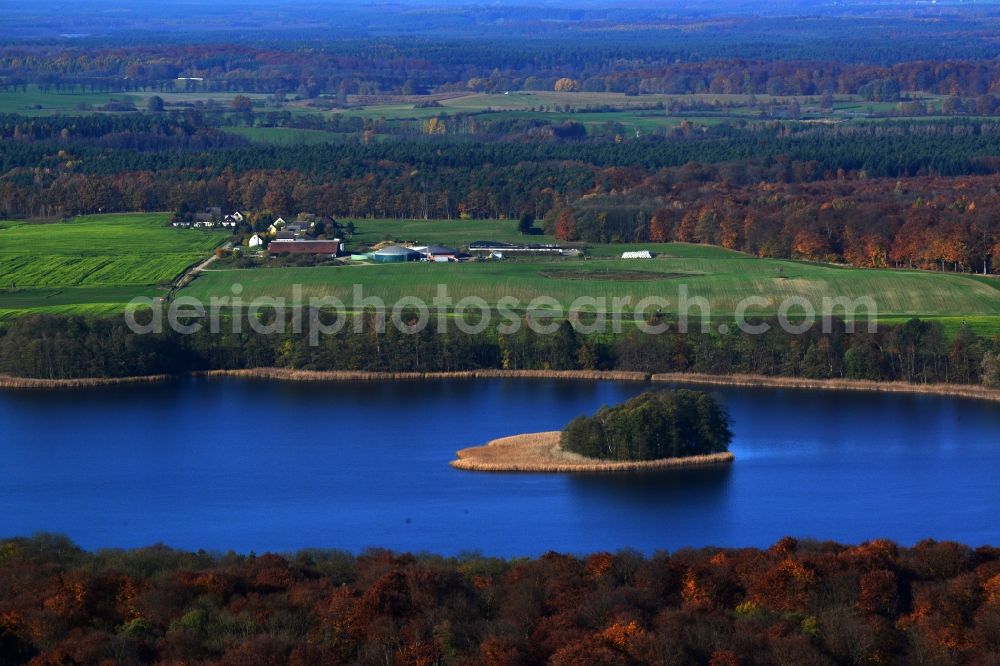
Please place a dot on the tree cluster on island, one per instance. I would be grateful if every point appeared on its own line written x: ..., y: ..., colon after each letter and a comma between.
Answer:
x: 651, y: 426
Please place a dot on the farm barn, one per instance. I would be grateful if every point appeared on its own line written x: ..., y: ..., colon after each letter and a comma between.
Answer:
x: 438, y: 253
x: 486, y: 247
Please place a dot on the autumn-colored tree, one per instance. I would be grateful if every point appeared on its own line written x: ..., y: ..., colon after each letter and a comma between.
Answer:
x: 686, y: 232
x: 809, y: 244
x: 659, y: 226
x: 242, y: 103
x: 867, y: 250
x: 278, y: 202
x: 879, y: 592
x: 566, y: 226
x: 435, y: 126
x: 725, y: 658
x: 566, y: 84
x: 796, y: 602
x: 731, y: 230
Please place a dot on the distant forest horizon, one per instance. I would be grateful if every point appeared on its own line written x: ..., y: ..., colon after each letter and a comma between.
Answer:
x: 862, y: 31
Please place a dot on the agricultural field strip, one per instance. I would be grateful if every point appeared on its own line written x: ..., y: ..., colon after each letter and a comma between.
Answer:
x: 724, y: 282
x: 631, y: 114
x: 99, y: 250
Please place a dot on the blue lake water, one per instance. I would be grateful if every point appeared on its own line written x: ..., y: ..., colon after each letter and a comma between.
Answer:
x: 260, y: 465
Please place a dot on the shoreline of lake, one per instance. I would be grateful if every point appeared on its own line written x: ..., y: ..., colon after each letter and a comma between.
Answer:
x: 540, y: 453
x: 968, y: 391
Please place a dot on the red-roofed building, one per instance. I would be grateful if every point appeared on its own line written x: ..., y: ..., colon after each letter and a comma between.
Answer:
x: 304, y: 247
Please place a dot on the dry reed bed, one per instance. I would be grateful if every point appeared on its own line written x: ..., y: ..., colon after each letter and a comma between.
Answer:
x: 951, y: 390
x: 8, y: 382
x: 540, y: 452
x: 362, y: 375
x: 765, y: 381
x: 285, y: 374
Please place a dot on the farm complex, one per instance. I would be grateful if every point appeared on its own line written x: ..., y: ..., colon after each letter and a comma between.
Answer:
x: 97, y: 264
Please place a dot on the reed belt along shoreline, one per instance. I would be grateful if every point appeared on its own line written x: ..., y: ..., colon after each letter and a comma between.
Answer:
x: 738, y: 380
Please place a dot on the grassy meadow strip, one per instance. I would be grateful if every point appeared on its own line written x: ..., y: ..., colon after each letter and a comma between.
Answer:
x: 725, y: 280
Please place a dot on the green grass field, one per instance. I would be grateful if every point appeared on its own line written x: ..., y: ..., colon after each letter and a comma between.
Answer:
x: 453, y: 233
x: 632, y: 114
x: 180, y: 96
x: 34, y: 102
x: 632, y: 111
x: 724, y: 282
x: 284, y: 136
x: 95, y: 261
x: 88, y: 301
x: 722, y: 276
x: 520, y: 100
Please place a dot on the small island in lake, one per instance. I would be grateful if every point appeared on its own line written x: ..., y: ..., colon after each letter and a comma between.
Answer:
x: 654, y: 430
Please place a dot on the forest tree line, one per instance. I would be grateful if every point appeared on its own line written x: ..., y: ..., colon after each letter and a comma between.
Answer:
x: 797, y: 602
x: 607, y: 63
x: 927, y: 223
x: 59, y: 347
